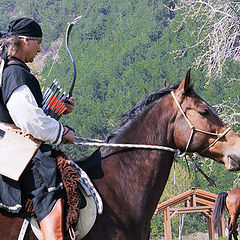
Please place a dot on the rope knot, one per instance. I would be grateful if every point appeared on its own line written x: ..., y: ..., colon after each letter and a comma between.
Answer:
x: 178, y: 154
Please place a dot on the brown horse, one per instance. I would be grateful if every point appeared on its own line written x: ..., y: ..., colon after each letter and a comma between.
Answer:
x: 231, y: 201
x: 131, y: 181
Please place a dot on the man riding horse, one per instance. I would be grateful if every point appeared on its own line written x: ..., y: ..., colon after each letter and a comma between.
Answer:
x: 21, y: 104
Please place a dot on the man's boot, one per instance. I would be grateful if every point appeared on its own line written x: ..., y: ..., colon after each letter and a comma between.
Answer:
x: 52, y: 224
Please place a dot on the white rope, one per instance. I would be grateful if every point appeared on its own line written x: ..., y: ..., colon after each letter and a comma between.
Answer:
x: 142, y: 146
x: 101, y: 143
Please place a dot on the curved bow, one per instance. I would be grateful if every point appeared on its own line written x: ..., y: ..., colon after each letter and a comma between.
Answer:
x: 69, y: 28
x: 53, y: 99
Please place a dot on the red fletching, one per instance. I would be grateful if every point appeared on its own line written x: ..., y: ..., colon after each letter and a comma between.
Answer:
x: 57, y: 106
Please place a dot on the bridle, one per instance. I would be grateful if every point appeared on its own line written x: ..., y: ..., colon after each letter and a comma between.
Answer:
x: 194, y: 129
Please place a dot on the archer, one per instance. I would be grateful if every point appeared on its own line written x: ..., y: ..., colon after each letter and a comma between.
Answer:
x: 21, y: 105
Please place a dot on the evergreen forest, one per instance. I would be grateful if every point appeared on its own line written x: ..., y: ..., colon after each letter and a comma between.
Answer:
x: 125, y: 49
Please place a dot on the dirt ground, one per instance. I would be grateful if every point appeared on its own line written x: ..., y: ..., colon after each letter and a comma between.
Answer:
x: 194, y: 236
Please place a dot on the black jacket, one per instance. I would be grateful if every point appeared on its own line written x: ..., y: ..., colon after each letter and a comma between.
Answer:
x: 15, y: 74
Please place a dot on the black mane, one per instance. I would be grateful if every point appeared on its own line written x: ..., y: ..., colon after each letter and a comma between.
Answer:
x: 92, y: 165
x: 139, y: 108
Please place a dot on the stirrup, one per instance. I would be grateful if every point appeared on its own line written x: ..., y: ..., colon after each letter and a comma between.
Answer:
x: 72, y: 233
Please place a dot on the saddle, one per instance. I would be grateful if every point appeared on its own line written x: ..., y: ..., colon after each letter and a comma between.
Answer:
x: 83, y: 202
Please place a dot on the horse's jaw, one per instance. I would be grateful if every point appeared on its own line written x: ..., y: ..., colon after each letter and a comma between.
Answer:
x: 231, y: 157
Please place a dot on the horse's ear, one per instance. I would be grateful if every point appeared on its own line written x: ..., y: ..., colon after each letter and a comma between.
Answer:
x: 185, y: 84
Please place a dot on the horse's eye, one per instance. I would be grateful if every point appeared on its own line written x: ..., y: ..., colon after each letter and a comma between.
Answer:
x: 203, y: 112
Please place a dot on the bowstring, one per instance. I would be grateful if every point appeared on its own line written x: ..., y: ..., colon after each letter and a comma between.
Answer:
x: 55, y: 59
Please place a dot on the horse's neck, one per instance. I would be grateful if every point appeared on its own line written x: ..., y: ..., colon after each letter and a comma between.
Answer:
x: 140, y: 175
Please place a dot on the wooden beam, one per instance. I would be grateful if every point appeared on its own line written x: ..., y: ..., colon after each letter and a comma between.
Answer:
x: 183, y: 210
x: 207, y: 214
x: 204, y: 201
x: 167, y: 224
x: 210, y: 228
x: 172, y: 202
x: 187, y: 203
x: 194, y: 196
x: 195, y: 201
x: 172, y: 213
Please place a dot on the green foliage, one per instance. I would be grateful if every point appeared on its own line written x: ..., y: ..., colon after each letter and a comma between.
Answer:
x: 157, y: 228
x: 123, y: 50
x: 179, y: 181
x: 6, y: 8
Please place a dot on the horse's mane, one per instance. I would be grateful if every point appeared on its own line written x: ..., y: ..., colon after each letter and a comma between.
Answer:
x: 142, y: 105
x: 92, y: 165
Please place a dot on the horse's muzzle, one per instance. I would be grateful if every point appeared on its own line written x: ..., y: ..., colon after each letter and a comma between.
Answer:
x: 232, y: 162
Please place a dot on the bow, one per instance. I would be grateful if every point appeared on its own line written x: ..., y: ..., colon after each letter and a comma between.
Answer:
x: 53, y: 99
x: 69, y: 28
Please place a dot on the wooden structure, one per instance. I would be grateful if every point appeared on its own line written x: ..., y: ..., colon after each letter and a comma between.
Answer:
x: 195, y: 201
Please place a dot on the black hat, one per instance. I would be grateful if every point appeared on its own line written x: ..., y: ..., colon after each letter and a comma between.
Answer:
x: 25, y: 27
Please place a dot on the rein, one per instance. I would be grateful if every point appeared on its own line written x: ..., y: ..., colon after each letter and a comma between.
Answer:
x: 101, y: 143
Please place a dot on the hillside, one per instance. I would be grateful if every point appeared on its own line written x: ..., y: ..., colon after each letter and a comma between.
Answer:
x: 123, y: 50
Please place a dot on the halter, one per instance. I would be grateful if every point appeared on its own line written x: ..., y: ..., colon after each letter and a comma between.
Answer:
x: 193, y: 129
x: 100, y: 143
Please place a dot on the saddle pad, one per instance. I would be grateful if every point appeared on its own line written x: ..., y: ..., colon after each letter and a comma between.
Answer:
x: 16, y: 150
x: 87, y: 218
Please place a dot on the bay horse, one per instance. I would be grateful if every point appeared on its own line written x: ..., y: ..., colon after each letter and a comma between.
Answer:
x: 231, y: 201
x: 131, y: 181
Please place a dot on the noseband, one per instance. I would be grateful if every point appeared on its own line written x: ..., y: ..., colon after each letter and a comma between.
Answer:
x: 193, y: 129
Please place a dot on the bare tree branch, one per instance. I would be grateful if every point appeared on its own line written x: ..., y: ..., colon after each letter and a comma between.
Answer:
x: 219, y: 32
x: 229, y: 112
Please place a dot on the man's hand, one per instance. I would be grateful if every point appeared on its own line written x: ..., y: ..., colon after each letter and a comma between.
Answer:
x: 70, y: 104
x: 68, y: 135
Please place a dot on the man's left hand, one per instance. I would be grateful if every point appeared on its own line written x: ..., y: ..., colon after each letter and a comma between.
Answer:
x: 70, y: 104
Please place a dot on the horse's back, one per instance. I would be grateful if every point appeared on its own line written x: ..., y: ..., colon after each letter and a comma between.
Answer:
x: 233, y: 201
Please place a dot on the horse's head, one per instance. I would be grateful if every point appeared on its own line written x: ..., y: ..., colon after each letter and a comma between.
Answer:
x: 197, y: 128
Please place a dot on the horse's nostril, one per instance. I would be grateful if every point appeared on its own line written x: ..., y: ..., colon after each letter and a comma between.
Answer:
x: 233, y: 157
x: 233, y: 162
